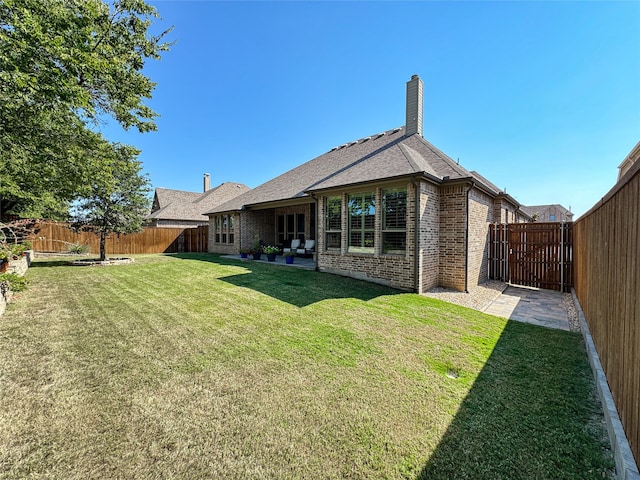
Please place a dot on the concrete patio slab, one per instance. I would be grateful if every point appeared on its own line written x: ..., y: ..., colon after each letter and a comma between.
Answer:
x: 530, y: 305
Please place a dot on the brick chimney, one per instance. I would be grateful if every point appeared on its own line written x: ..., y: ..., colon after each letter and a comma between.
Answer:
x: 414, y: 106
x: 207, y: 182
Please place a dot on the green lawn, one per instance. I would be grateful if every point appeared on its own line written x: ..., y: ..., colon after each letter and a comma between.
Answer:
x: 194, y: 366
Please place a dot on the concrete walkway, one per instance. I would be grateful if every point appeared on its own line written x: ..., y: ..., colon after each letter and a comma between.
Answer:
x: 529, y: 305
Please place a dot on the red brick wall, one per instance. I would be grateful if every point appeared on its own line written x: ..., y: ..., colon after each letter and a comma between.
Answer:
x: 429, y: 238
x: 504, y: 212
x: 453, y: 213
x: 480, y: 216
x: 395, y: 271
x: 257, y: 225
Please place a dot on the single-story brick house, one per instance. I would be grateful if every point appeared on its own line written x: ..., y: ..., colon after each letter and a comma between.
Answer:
x: 182, y: 209
x: 389, y: 208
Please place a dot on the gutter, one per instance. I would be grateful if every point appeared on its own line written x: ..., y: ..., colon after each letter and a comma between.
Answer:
x: 416, y: 255
x: 317, y: 230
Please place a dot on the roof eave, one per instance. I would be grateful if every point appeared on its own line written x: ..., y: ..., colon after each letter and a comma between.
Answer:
x: 218, y: 212
x: 285, y: 202
x: 481, y: 186
x: 633, y: 155
x: 509, y: 198
x: 425, y: 175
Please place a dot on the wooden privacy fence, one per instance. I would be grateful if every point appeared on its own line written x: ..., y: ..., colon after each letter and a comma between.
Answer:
x: 532, y: 254
x: 58, y: 237
x: 607, y: 251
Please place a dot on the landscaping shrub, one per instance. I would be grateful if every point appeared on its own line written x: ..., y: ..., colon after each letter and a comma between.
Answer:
x: 16, y: 282
x: 78, y: 249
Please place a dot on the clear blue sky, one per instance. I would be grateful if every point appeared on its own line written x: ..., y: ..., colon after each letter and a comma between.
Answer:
x: 542, y: 98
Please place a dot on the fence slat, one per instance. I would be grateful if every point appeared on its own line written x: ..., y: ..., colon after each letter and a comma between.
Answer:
x: 607, y: 283
x: 534, y: 254
x: 58, y: 237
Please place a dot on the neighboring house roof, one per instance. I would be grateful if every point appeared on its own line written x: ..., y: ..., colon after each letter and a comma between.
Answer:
x: 171, y: 204
x: 388, y: 154
x: 533, y: 209
x: 629, y: 160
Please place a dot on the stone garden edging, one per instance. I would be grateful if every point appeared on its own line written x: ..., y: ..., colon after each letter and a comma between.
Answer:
x: 19, y: 267
x: 626, y: 468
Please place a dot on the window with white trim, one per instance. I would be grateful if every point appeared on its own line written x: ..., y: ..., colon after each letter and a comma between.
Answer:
x: 362, y: 214
x: 394, y: 220
x: 333, y: 222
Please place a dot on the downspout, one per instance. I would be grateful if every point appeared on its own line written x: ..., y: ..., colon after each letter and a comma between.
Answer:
x: 416, y: 240
x: 466, y: 244
x: 313, y: 195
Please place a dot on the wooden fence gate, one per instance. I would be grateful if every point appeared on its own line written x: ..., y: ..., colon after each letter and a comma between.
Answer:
x: 532, y: 254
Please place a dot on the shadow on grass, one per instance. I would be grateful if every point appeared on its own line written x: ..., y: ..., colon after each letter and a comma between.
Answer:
x: 295, y: 286
x: 66, y: 262
x: 532, y: 413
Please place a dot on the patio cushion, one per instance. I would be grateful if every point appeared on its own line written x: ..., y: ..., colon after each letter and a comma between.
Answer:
x: 294, y: 246
x: 308, y: 247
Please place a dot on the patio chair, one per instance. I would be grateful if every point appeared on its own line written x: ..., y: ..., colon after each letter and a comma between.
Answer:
x: 295, y: 244
x: 307, y: 248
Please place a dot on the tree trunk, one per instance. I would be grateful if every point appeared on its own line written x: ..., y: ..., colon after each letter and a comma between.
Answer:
x: 103, y: 253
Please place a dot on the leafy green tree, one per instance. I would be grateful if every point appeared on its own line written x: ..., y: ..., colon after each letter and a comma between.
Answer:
x: 64, y: 66
x: 40, y: 178
x: 118, y: 200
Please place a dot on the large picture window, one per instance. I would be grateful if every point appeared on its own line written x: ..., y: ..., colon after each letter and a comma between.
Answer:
x: 216, y: 225
x: 224, y: 229
x: 333, y: 226
x: 394, y: 221
x: 362, y: 214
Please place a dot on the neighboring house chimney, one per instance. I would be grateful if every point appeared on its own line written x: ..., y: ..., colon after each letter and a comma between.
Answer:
x: 414, y: 106
x: 207, y: 182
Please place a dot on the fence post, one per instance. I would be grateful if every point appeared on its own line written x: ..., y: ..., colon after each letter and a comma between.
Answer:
x: 494, y: 250
x: 505, y: 256
x: 562, y: 257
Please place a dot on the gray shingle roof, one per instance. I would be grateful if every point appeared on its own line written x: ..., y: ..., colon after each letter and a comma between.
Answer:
x: 166, y: 196
x: 181, y: 205
x: 494, y: 189
x: 532, y: 209
x: 385, y: 155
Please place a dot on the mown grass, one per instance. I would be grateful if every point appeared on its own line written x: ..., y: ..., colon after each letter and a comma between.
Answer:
x: 200, y: 367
